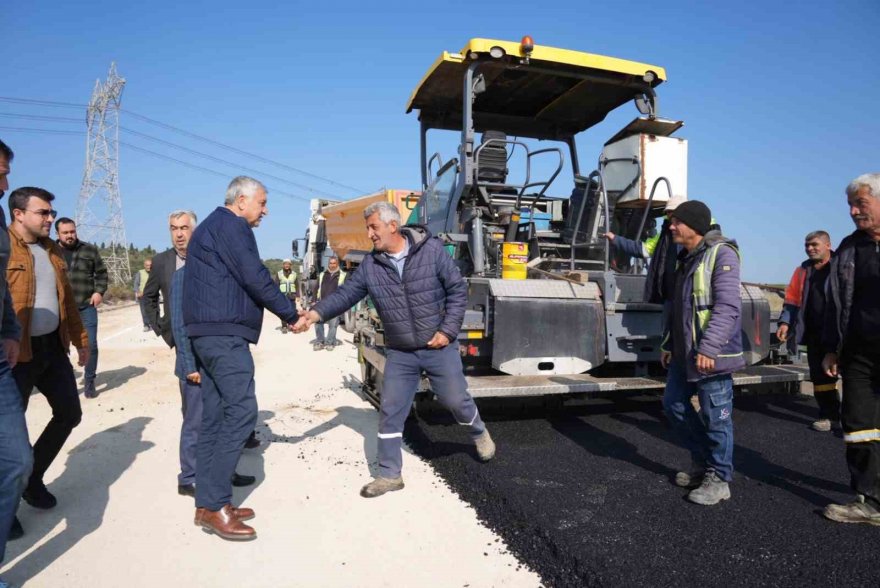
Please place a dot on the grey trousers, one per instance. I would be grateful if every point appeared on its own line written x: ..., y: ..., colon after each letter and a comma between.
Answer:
x: 403, y: 371
x: 191, y: 407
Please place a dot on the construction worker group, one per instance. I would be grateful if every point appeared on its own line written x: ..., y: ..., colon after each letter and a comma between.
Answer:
x: 214, y: 288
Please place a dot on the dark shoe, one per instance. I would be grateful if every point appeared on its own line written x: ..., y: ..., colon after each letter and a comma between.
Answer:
x: 317, y: 347
x: 186, y: 490
x: 284, y: 330
x: 252, y: 441
x: 224, y: 523
x: 239, y: 480
x: 89, y: 389
x: 39, y: 497
x: 16, y: 531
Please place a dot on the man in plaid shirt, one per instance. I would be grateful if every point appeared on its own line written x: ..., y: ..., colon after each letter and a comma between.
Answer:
x: 88, y: 278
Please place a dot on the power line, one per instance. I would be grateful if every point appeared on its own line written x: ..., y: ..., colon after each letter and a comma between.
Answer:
x: 188, y: 134
x: 42, y: 117
x: 153, y: 154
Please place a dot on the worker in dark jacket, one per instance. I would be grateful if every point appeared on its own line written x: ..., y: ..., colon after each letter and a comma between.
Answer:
x: 328, y: 283
x: 421, y: 299
x: 852, y: 340
x: 225, y: 289
x: 702, y: 347
x: 803, y: 319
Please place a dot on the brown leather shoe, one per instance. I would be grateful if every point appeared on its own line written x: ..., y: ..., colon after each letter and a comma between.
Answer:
x: 224, y: 523
x: 242, y: 514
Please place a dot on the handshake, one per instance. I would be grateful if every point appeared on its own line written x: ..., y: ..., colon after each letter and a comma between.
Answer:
x: 307, y: 318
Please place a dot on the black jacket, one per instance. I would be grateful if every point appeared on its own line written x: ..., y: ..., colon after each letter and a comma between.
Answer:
x: 164, y: 265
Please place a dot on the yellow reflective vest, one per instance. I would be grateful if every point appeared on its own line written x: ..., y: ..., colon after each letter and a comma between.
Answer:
x: 287, y: 283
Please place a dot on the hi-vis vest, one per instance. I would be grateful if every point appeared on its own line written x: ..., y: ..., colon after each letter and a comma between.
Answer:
x: 702, y: 290
x: 321, y: 281
x: 287, y: 283
x: 144, y: 276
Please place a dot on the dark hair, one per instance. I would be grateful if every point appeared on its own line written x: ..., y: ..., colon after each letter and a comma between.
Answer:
x: 64, y: 221
x: 20, y: 197
x: 6, y: 151
x: 818, y: 235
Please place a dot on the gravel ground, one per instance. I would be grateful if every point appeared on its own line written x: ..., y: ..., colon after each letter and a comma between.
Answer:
x: 583, y: 495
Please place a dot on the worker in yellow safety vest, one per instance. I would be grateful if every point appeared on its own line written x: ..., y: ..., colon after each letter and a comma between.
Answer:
x: 286, y: 280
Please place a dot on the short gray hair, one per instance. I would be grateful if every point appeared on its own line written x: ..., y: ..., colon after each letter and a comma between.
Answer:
x: 817, y: 235
x: 869, y: 181
x: 387, y: 212
x: 180, y: 213
x: 243, y: 185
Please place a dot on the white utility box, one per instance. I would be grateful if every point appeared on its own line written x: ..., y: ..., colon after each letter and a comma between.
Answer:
x: 658, y: 156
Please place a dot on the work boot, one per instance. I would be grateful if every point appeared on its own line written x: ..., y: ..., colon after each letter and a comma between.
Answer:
x: 857, y: 511
x: 318, y: 346
x: 485, y: 446
x: 38, y: 496
x: 89, y: 389
x: 224, y: 523
x: 187, y: 490
x: 380, y: 486
x: 252, y: 441
x: 711, y: 491
x: 692, y: 477
x: 822, y: 425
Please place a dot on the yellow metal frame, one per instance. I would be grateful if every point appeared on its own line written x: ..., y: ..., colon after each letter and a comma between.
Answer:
x: 587, y: 61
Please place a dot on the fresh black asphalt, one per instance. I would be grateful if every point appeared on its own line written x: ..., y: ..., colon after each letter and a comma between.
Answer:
x: 583, y: 495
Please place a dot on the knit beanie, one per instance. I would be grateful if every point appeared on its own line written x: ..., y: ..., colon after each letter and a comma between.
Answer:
x: 694, y: 214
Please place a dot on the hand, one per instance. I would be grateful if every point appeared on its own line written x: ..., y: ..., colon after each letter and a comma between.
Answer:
x: 10, y: 350
x: 96, y: 299
x: 610, y: 236
x: 782, y: 332
x: 83, y: 356
x: 705, y: 364
x: 194, y: 378
x: 829, y: 365
x: 438, y: 341
x: 665, y: 358
x: 307, y: 318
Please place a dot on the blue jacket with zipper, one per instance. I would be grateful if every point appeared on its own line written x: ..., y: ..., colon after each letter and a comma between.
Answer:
x: 431, y: 295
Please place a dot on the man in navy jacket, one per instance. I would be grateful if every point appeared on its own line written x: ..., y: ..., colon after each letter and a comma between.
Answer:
x: 225, y: 289
x: 421, y: 298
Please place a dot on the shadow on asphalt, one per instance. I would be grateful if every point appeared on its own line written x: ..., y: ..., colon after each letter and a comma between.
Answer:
x: 82, y: 499
x: 112, y: 379
x: 252, y: 462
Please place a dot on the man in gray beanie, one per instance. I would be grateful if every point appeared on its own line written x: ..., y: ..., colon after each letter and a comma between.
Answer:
x: 701, y: 348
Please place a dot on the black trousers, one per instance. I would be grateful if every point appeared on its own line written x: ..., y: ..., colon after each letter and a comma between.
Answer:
x: 860, y: 418
x: 824, y: 386
x: 49, y: 370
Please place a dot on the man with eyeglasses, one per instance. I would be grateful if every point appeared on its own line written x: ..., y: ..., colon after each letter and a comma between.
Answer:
x: 50, y: 322
x: 88, y: 277
x: 15, y: 449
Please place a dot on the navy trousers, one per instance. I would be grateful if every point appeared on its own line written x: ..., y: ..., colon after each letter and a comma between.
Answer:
x: 191, y: 407
x: 403, y: 370
x: 229, y: 413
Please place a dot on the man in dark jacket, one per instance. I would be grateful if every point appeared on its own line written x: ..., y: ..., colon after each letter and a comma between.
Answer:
x: 225, y: 289
x: 328, y: 283
x: 88, y: 277
x: 803, y: 319
x: 702, y: 347
x: 421, y: 299
x: 852, y: 342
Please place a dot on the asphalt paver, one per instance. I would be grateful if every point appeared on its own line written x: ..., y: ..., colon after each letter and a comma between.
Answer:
x: 584, y: 495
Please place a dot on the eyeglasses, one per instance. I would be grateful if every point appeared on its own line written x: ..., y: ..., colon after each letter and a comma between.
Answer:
x: 44, y: 213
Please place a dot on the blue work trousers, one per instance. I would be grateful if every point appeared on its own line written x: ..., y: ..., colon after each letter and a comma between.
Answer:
x: 708, y: 435
x: 89, y: 316
x: 16, y: 458
x: 403, y: 370
x: 229, y: 413
x: 191, y: 407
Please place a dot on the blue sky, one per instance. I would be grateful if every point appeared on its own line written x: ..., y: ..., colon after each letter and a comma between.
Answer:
x: 779, y: 103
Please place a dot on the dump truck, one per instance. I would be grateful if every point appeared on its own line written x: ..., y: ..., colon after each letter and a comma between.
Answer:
x: 574, y: 321
x: 336, y: 227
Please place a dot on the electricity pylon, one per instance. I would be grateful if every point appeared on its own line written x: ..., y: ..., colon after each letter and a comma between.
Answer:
x: 99, y: 208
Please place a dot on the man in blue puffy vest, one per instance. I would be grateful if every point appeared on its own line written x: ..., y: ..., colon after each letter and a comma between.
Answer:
x: 702, y: 347
x: 225, y: 289
x: 421, y: 298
